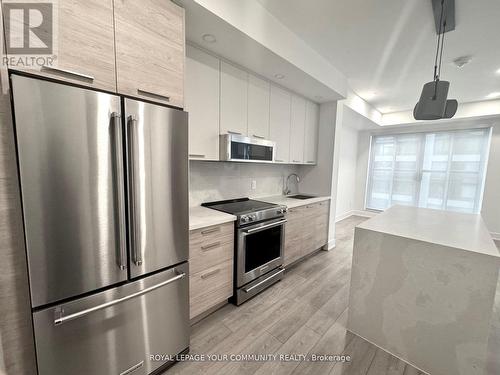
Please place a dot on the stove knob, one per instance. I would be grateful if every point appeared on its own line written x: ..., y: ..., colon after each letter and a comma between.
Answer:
x: 245, y: 219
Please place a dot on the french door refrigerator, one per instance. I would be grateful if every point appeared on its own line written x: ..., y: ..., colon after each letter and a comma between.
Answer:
x: 104, y: 183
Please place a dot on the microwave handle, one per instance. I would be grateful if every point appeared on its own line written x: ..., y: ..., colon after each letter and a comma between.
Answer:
x: 253, y: 230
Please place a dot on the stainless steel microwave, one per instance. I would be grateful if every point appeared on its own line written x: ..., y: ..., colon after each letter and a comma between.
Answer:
x: 236, y: 147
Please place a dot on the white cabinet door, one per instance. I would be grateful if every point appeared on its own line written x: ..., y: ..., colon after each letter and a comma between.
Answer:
x: 279, y: 124
x: 233, y: 100
x: 202, y: 103
x: 311, y: 133
x: 297, y: 130
x: 258, y: 107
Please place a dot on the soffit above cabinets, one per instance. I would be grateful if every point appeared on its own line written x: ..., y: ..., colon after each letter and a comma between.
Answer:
x: 237, y: 47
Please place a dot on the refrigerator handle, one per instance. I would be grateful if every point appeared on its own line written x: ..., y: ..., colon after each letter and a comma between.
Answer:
x: 60, y: 318
x: 134, y: 205
x: 118, y: 159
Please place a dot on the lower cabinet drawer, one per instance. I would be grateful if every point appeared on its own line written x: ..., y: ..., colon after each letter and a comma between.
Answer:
x: 209, y: 254
x: 210, y: 287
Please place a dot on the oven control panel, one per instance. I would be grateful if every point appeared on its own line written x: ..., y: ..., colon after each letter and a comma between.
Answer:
x: 261, y: 215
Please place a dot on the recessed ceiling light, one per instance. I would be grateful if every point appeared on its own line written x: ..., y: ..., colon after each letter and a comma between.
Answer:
x: 493, y: 95
x: 209, y: 38
x: 461, y: 61
x: 498, y: 72
x: 279, y: 76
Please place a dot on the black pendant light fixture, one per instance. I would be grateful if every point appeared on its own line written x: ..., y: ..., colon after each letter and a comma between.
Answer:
x: 434, y: 103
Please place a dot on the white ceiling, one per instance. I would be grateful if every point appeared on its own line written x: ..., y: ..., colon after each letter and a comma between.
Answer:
x: 386, y: 47
x: 235, y: 46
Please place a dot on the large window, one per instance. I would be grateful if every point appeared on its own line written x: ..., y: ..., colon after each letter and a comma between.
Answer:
x: 442, y: 170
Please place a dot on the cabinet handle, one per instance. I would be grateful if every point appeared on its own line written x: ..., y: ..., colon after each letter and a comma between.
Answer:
x: 69, y: 72
x: 232, y: 132
x: 211, y: 246
x: 196, y: 155
x: 208, y: 231
x: 296, y: 161
x: 279, y: 161
x: 211, y: 273
x: 153, y: 95
x: 259, y: 136
x: 310, y: 162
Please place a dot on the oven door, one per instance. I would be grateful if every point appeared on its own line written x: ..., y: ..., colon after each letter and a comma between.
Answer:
x: 259, y: 250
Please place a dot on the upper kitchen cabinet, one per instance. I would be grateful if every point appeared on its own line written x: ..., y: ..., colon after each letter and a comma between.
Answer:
x: 258, y: 107
x: 311, y: 133
x: 233, y: 100
x: 297, y: 129
x: 84, y: 47
x: 202, y: 103
x: 149, y: 36
x: 279, y: 124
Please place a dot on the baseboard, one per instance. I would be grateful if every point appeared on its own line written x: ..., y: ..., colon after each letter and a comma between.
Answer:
x: 362, y: 213
x: 330, y: 245
x: 495, y: 236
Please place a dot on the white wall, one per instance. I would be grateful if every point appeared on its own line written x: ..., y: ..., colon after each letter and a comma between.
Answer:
x: 352, y: 153
x: 348, y: 155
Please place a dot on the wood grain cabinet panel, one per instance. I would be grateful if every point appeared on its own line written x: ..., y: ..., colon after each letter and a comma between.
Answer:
x: 85, y: 45
x: 211, y: 253
x: 150, y: 44
x: 306, y: 230
x: 210, y: 287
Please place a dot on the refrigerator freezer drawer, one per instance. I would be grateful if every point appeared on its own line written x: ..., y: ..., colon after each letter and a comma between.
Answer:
x: 115, y: 332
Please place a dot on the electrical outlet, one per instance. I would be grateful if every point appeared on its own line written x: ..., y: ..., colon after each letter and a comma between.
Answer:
x: 254, y: 184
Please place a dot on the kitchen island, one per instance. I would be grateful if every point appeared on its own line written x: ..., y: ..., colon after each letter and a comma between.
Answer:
x: 423, y: 286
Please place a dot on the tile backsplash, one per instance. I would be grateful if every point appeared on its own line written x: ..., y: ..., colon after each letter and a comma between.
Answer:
x: 212, y: 181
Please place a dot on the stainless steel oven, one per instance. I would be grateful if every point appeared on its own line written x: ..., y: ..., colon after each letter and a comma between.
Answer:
x: 259, y: 249
x: 237, y: 147
x: 260, y: 237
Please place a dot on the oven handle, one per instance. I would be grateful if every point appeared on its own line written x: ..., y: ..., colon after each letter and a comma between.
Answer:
x: 248, y: 290
x: 258, y: 229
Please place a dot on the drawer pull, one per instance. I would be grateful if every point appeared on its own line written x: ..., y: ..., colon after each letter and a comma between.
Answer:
x: 69, y: 72
x: 211, y: 273
x: 296, y: 161
x: 153, y: 95
x: 196, y: 155
x: 311, y: 162
x: 211, y: 246
x: 233, y: 132
x: 279, y: 160
x: 259, y: 136
x: 208, y: 231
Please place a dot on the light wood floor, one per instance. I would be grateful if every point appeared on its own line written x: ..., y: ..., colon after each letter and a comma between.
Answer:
x: 304, y: 313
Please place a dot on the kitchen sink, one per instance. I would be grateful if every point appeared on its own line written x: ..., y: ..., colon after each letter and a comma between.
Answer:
x: 301, y: 196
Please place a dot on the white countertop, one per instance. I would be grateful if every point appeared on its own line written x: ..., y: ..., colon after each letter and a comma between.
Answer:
x: 453, y: 229
x: 291, y: 202
x: 201, y: 217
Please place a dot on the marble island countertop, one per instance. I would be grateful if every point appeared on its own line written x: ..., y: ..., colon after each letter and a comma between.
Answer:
x: 201, y: 217
x: 453, y: 229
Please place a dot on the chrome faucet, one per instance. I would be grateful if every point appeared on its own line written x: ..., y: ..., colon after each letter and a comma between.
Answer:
x: 287, y: 190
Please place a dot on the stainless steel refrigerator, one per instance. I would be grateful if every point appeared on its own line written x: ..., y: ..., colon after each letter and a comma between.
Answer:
x: 104, y: 183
